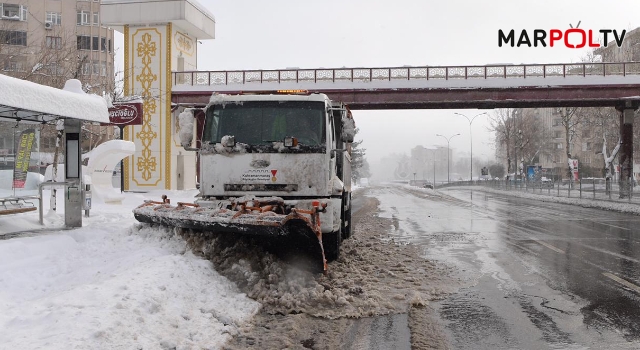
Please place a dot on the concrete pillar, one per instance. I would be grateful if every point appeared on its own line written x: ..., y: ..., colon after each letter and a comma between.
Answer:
x: 73, y: 173
x: 159, y: 37
x: 626, y: 148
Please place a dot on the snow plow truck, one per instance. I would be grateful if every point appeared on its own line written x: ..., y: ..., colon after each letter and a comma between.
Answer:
x: 277, y: 166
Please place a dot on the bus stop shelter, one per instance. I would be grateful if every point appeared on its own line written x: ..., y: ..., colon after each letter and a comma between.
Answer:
x: 22, y: 101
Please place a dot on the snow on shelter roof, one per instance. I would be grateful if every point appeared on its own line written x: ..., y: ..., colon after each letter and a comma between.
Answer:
x: 27, y: 101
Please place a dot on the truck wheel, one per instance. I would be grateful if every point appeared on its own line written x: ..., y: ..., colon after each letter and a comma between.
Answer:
x: 331, y: 243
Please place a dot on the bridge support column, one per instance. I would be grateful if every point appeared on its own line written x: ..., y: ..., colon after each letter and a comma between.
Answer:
x: 625, y: 183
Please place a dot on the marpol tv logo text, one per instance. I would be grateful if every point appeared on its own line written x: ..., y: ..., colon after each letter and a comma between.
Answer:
x: 573, y: 38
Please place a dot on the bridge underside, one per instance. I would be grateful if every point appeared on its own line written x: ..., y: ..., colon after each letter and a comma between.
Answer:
x: 480, y: 98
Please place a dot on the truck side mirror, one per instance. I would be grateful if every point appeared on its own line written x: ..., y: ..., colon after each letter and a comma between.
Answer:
x: 185, y: 121
x: 348, y: 129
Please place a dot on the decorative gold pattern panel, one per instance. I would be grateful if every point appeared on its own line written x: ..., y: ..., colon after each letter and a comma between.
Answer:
x: 147, y: 73
x: 185, y: 44
x: 147, y: 63
x: 146, y: 163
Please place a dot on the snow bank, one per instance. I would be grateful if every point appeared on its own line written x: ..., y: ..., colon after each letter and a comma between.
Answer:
x: 631, y: 208
x: 113, y: 284
x: 370, y: 278
x: 185, y: 121
x: 33, y: 180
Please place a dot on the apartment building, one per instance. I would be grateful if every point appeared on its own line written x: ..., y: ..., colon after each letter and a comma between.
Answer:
x: 543, y: 139
x: 427, y: 163
x: 49, y: 42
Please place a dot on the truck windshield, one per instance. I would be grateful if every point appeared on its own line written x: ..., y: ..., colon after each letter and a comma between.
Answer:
x: 263, y: 122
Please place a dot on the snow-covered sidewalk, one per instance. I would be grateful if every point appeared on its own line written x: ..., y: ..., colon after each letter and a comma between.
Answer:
x: 112, y: 285
x: 631, y: 208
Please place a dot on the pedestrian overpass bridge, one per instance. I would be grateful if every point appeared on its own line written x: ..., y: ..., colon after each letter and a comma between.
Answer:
x: 586, y: 84
x: 433, y: 87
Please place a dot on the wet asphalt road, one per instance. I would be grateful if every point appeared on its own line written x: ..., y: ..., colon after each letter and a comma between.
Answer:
x: 380, y: 332
x: 533, y: 275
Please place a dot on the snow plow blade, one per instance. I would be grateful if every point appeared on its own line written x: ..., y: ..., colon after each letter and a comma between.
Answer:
x: 295, y: 234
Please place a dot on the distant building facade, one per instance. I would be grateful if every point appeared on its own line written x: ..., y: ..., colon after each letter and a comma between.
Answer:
x: 49, y: 42
x: 429, y: 163
x: 41, y: 40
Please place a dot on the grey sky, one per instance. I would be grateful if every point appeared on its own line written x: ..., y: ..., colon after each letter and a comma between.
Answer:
x: 373, y: 33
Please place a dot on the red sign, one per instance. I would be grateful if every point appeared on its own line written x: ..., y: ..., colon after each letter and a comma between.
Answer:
x: 126, y: 113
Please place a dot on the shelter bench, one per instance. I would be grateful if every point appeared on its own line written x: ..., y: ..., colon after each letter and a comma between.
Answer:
x: 16, y: 205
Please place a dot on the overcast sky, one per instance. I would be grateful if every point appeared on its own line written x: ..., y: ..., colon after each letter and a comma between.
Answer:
x: 275, y: 34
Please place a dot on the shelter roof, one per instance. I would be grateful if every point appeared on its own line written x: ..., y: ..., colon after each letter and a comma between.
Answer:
x: 26, y: 101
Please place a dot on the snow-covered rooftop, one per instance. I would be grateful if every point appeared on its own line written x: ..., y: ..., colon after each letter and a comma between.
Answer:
x: 28, y: 101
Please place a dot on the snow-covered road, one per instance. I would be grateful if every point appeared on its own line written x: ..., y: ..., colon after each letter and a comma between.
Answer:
x: 115, y: 284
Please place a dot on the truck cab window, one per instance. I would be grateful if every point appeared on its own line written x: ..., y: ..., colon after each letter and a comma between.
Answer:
x: 264, y: 122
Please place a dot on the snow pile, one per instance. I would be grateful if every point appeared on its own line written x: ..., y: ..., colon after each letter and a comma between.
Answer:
x: 45, y: 158
x: 113, y: 284
x: 218, y: 99
x: 185, y: 121
x: 348, y: 128
x: 33, y: 180
x: 367, y: 280
x: 238, y: 147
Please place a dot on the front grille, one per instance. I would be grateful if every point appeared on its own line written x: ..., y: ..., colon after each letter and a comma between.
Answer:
x: 261, y: 187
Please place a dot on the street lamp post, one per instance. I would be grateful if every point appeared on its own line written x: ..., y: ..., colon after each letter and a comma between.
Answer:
x: 448, y: 139
x: 470, y: 120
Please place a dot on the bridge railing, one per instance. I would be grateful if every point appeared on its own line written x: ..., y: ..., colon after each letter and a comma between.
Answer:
x: 494, y: 71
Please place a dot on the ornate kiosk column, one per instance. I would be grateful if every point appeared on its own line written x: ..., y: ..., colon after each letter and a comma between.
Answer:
x: 159, y: 37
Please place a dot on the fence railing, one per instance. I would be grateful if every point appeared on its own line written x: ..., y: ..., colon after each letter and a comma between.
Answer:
x: 588, y: 188
x: 492, y: 71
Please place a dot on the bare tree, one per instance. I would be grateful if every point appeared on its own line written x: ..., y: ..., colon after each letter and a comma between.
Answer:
x: 533, y: 136
x: 569, y: 119
x: 606, y: 124
x: 503, y: 123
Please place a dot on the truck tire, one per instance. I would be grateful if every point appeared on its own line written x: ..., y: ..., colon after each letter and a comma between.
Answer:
x: 331, y: 244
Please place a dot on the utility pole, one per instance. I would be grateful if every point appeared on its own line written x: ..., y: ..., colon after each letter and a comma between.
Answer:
x: 448, y: 140
x: 470, y: 120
